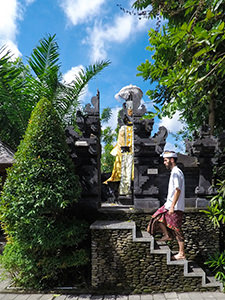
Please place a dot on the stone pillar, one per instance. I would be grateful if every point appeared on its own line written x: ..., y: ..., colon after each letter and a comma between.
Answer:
x: 86, y: 153
x: 146, y: 169
x: 204, y: 147
x: 147, y: 151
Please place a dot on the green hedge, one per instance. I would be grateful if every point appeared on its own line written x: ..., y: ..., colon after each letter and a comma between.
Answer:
x: 37, y: 206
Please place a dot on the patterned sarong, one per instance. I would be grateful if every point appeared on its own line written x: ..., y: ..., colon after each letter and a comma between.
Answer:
x: 173, y: 222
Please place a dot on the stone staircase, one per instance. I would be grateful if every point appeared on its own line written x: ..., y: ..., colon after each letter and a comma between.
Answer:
x: 191, y: 269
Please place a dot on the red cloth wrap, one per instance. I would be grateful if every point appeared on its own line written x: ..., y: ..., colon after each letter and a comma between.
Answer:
x: 172, y: 221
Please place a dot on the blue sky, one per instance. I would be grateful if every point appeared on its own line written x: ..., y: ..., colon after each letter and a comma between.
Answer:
x: 86, y: 31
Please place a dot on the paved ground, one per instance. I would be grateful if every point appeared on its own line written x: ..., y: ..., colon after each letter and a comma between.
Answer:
x: 164, y: 296
x: 11, y: 295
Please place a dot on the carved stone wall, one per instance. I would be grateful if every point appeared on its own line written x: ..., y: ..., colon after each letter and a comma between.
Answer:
x: 204, y: 147
x: 147, y: 166
x: 85, y: 150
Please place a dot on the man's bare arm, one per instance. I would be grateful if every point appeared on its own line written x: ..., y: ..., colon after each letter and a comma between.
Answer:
x: 175, y: 199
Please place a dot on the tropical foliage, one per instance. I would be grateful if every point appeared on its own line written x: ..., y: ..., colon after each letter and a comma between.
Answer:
x: 216, y: 211
x: 217, y: 263
x: 188, y: 66
x: 188, y: 61
x: 37, y: 206
x: 22, y: 86
x: 108, y: 138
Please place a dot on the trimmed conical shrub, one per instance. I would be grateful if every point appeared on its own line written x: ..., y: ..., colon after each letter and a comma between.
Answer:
x: 43, y: 235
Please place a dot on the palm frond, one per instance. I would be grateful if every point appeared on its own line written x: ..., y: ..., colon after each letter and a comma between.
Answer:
x: 69, y: 96
x: 16, y: 100
x: 11, y: 85
x: 45, y: 57
x: 5, y: 55
x: 44, y: 61
x: 20, y: 90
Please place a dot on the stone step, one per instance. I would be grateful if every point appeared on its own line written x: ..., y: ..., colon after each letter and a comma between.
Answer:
x: 161, y: 248
x: 191, y: 269
x: 143, y: 236
x: 193, y: 272
x: 210, y: 281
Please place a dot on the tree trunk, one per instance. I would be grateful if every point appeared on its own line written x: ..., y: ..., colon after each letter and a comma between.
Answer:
x: 211, y: 115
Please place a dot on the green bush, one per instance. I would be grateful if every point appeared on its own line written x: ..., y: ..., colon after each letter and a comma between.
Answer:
x: 216, y: 210
x: 217, y: 263
x: 216, y: 214
x: 37, y: 206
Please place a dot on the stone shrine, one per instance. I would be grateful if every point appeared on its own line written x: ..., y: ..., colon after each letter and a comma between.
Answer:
x: 149, y: 187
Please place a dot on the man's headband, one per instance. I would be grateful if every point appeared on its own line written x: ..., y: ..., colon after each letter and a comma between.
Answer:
x: 169, y: 155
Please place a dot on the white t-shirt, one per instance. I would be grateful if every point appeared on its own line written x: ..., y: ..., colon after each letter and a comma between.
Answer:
x: 176, y: 181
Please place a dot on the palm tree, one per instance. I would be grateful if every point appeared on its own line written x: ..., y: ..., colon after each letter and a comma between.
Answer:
x: 22, y: 86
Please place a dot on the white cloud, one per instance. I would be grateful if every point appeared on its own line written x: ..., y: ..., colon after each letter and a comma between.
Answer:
x: 9, y: 45
x: 148, y: 105
x: 70, y: 75
x: 11, y: 12
x: 101, y: 37
x: 68, y: 78
x: 81, y: 11
x: 172, y: 125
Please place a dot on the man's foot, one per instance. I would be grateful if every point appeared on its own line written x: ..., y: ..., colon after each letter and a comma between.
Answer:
x: 178, y: 257
x: 165, y: 238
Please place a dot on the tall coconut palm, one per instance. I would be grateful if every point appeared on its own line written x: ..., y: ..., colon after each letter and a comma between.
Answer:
x: 22, y: 86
